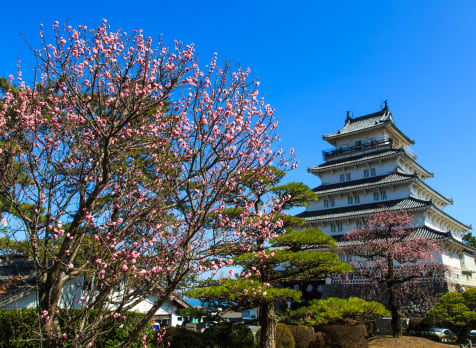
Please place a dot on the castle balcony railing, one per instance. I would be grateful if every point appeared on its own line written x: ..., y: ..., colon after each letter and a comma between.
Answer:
x: 358, y: 147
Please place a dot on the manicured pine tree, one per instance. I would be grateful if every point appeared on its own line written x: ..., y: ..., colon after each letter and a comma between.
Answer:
x: 295, y: 255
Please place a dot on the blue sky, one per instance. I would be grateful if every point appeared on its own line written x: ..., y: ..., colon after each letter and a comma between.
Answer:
x: 316, y: 60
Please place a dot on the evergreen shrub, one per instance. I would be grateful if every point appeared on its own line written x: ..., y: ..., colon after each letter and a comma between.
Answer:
x: 284, y: 337
x: 182, y: 338
x: 304, y: 336
x: 227, y: 335
x: 345, y: 336
x: 20, y: 328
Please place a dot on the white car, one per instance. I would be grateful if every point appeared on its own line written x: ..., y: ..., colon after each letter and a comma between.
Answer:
x: 443, y: 335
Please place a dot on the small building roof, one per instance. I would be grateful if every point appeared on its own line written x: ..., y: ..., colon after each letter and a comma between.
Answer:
x: 17, y: 277
x: 379, y: 119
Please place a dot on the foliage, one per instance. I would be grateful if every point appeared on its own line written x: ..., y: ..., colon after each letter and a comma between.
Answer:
x: 291, y: 258
x: 304, y: 336
x: 388, y: 255
x: 182, y: 338
x: 284, y: 337
x: 119, y: 164
x: 457, y: 310
x: 339, y: 311
x: 18, y: 329
x: 419, y: 324
x: 345, y: 336
x: 469, y: 239
x: 227, y: 335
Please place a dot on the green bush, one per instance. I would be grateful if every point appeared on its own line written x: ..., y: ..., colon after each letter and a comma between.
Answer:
x: 182, y: 338
x: 17, y: 326
x: 345, y: 336
x: 284, y: 337
x: 227, y: 335
x: 20, y: 328
x: 304, y: 336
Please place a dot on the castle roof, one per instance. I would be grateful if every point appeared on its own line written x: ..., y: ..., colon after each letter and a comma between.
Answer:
x: 367, y: 183
x: 421, y: 232
x: 379, y: 119
x: 367, y: 157
x: 381, y: 181
x: 363, y: 210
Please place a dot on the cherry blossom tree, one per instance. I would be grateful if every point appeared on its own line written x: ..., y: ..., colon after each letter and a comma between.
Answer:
x: 118, y: 162
x: 390, y: 256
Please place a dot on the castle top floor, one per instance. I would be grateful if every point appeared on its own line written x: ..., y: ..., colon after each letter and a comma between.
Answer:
x: 366, y: 133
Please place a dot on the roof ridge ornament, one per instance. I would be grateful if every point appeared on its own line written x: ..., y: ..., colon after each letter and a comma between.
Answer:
x: 348, y: 118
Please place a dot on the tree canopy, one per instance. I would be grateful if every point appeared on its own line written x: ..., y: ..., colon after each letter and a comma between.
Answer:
x: 389, y: 255
x: 119, y: 164
x: 294, y: 256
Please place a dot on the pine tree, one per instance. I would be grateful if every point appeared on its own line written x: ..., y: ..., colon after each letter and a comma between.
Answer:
x: 294, y: 256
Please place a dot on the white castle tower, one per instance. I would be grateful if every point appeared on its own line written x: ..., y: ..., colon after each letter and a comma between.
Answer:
x: 370, y: 168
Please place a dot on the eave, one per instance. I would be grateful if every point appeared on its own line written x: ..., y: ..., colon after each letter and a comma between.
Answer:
x: 363, y: 210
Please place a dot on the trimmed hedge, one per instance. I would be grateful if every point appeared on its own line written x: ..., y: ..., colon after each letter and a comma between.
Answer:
x: 182, y: 338
x: 345, y: 336
x: 227, y: 335
x: 284, y: 337
x: 20, y: 328
x: 304, y: 336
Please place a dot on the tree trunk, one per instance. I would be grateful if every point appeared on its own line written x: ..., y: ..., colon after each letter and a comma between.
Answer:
x: 396, y: 318
x: 464, y: 334
x: 268, y: 321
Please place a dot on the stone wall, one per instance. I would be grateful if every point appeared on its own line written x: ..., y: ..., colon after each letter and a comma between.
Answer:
x: 415, y: 299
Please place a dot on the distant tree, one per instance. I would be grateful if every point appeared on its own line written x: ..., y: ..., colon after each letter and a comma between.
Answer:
x: 469, y: 239
x: 117, y: 165
x: 294, y: 256
x: 456, y: 310
x: 389, y: 256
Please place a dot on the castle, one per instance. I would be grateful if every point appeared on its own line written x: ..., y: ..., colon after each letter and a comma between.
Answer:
x: 371, y: 168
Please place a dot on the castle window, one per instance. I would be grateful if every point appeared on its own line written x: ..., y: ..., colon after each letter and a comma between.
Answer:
x: 366, y: 173
x: 342, y: 177
x: 373, y: 172
x: 326, y: 203
x: 383, y: 195
x: 333, y: 202
x: 350, y: 200
x: 339, y: 227
x: 333, y: 228
x: 357, y: 199
x: 347, y: 176
x: 376, y: 196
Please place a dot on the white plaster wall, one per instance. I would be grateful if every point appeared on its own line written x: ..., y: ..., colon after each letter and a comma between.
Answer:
x: 363, y: 138
x: 365, y: 197
x: 358, y: 172
x: 70, y: 296
x: 469, y: 262
x: 28, y: 301
x: 451, y: 259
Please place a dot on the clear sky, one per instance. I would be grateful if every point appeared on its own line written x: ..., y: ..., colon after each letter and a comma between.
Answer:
x: 316, y: 60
